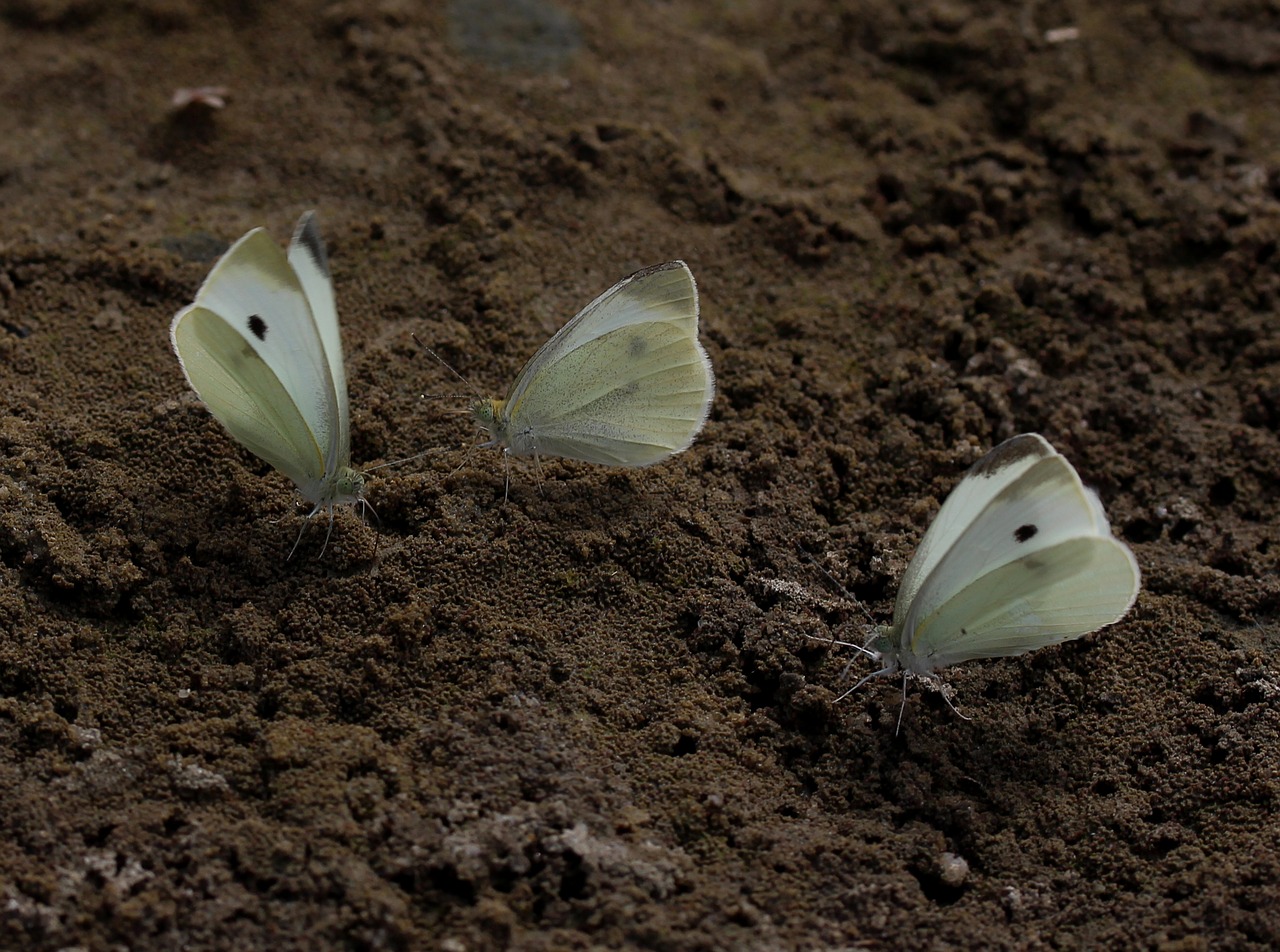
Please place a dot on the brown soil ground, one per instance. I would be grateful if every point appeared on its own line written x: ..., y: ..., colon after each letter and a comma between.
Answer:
x: 602, y: 715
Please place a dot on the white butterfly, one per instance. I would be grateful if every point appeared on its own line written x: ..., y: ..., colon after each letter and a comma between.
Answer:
x: 260, y: 346
x: 625, y: 383
x: 1020, y: 556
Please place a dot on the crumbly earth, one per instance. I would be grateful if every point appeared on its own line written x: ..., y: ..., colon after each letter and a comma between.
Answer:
x: 604, y: 715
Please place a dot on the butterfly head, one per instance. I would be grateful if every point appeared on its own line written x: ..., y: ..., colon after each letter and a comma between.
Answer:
x: 348, y: 486
x: 483, y: 412
x: 489, y: 416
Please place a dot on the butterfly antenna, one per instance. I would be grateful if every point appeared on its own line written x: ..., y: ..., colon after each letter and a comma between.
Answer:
x: 836, y: 582
x: 448, y: 366
x: 426, y: 452
x: 844, y: 672
x: 404, y: 459
x: 865, y: 649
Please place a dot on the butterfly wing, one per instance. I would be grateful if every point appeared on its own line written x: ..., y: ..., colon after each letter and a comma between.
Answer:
x: 1020, y: 556
x: 625, y: 383
x: 252, y: 351
x: 982, y: 483
x: 245, y: 395
x: 1055, y: 595
x: 310, y: 263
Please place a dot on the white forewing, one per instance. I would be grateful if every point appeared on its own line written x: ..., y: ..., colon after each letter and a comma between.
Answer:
x: 310, y: 263
x: 662, y: 294
x: 260, y: 346
x: 1020, y: 556
x: 245, y: 395
x: 1043, y: 506
x: 626, y: 382
x: 982, y: 483
x: 256, y: 291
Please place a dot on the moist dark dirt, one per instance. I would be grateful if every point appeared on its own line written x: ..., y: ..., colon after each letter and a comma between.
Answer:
x: 603, y: 714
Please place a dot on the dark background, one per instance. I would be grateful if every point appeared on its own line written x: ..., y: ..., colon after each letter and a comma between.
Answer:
x: 602, y: 715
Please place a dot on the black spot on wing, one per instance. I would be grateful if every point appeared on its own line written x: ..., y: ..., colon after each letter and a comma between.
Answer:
x: 1025, y: 533
x: 637, y: 346
x: 257, y: 327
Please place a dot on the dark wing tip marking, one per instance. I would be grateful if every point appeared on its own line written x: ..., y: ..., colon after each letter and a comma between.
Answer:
x: 657, y: 268
x: 1025, y: 533
x: 1009, y: 452
x: 308, y: 236
x: 257, y: 327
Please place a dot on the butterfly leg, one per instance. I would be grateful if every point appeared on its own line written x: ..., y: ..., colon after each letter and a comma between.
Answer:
x: 537, y: 471
x: 332, y: 517
x: 946, y: 691
x: 296, y: 542
x: 365, y: 510
x: 935, y: 683
x: 466, y: 455
x: 863, y: 649
x: 903, y: 709
x: 874, y: 674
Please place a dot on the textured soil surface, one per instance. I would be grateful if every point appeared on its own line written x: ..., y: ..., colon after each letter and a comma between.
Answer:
x: 603, y: 715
